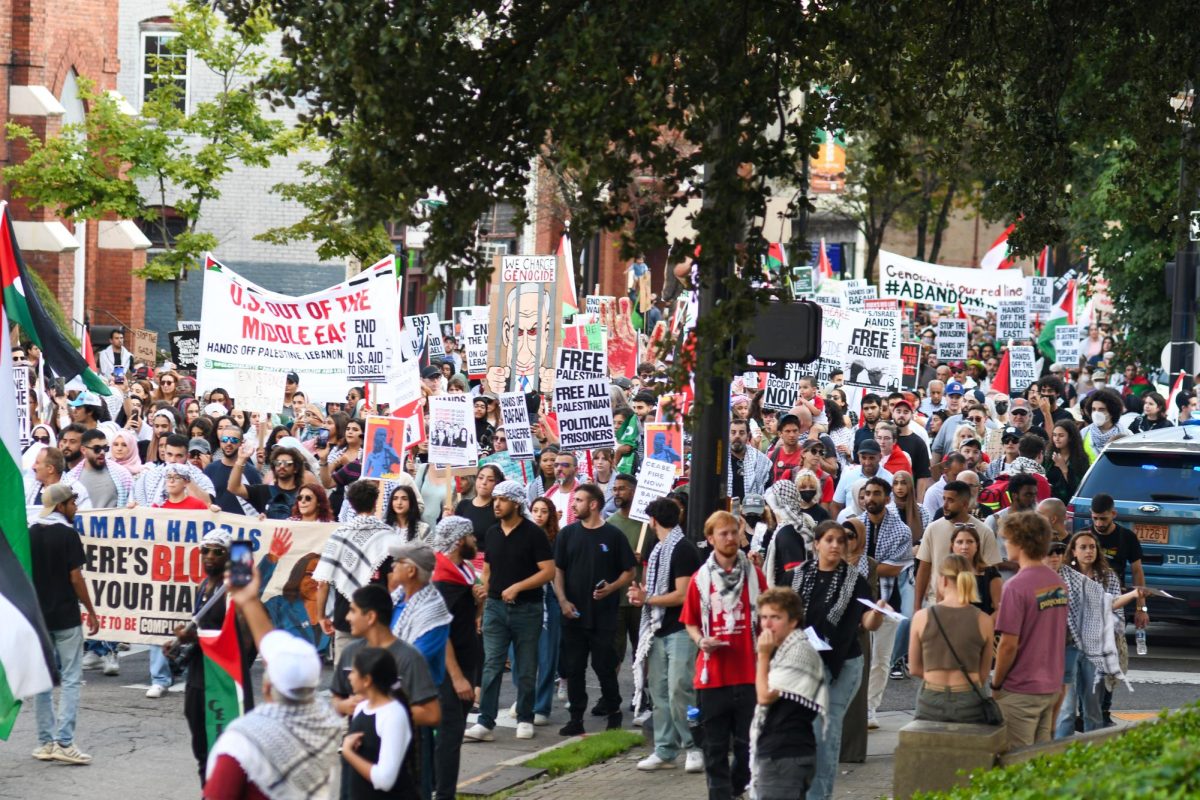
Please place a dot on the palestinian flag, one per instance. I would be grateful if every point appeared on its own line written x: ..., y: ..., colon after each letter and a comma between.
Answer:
x: 1042, y: 269
x: 223, y: 689
x: 1063, y: 314
x: 1002, y: 383
x: 27, y: 665
x: 1172, y: 406
x: 23, y: 308
x: 567, y: 296
x: 997, y: 255
x: 824, y: 268
x: 776, y: 260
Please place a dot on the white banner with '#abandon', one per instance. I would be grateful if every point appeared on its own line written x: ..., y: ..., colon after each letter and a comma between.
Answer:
x: 936, y: 285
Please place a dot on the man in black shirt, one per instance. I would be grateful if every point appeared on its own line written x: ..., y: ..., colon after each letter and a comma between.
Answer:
x: 229, y: 437
x: 594, y: 563
x: 58, y: 560
x: 1051, y: 403
x: 913, y: 445
x: 1120, y: 547
x: 517, y: 564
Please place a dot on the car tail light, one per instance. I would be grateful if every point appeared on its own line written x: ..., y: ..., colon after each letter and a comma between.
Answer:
x: 1070, y: 521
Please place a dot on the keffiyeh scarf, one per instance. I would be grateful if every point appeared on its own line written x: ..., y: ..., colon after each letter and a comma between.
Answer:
x: 728, y: 586
x: 1100, y: 439
x: 354, y: 552
x: 1024, y: 466
x: 658, y: 574
x: 286, y: 750
x: 423, y: 612
x: 1092, y: 622
x: 838, y: 595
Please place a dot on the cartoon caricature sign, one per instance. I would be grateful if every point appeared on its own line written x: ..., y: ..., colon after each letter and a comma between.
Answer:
x: 525, y: 325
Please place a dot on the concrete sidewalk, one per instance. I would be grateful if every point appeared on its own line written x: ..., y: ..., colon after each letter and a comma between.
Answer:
x: 619, y: 777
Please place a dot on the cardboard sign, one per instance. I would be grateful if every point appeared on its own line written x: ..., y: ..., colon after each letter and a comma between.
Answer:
x: 185, y: 346
x: 933, y: 284
x: 1012, y: 320
x: 529, y: 269
x: 952, y: 339
x: 1021, y: 369
x: 1039, y: 292
x: 526, y: 325
x: 258, y: 390
x: 655, y: 479
x: 145, y: 345
x: 910, y: 356
x: 514, y: 413
x: 366, y: 357
x: 383, y: 446
x: 664, y: 442
x: 1068, y: 343
x: 475, y: 336
x: 593, y: 302
x: 451, y: 430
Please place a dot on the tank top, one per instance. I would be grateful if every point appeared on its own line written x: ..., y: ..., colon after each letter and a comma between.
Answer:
x: 962, y: 628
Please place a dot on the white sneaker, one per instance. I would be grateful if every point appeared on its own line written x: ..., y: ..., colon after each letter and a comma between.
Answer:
x: 478, y: 733
x: 695, y: 762
x: 653, y: 762
x: 91, y: 660
x: 524, y: 730
x: 562, y: 689
x: 512, y: 710
x: 111, y: 665
x: 642, y: 718
x: 540, y: 720
x: 156, y: 691
x: 70, y: 755
x: 872, y: 721
x: 44, y: 752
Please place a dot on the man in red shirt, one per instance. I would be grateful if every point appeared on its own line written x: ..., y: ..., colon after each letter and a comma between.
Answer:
x: 177, y: 480
x: 719, y: 613
x: 786, y: 456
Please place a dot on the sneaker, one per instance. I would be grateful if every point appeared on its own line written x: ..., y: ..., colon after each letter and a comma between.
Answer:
x: 512, y: 710
x: 91, y: 660
x: 614, y: 721
x: 156, y: 691
x: 111, y: 665
x: 600, y: 710
x: 562, y: 689
x: 45, y: 752
x: 524, y: 730
x: 541, y: 720
x: 70, y: 755
x: 478, y: 733
x: 872, y: 721
x: 695, y: 762
x: 642, y: 718
x: 899, y: 671
x: 653, y: 762
x: 572, y: 728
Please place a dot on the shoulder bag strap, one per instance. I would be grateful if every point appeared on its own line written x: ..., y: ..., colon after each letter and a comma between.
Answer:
x: 946, y: 639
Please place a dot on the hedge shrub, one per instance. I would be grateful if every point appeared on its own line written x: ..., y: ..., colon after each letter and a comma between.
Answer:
x: 1152, y: 761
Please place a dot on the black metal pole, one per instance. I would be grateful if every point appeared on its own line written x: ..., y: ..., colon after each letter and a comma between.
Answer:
x: 1183, y: 294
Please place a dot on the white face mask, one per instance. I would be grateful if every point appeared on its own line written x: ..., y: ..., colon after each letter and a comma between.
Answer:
x: 1099, y: 418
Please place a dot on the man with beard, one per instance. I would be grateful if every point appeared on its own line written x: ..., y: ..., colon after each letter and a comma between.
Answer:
x: 214, y: 556
x: 869, y: 455
x: 870, y: 408
x: 455, y: 543
x: 913, y: 444
x: 108, y: 484
x: 630, y: 616
x: 749, y: 471
x: 151, y: 485
x: 229, y: 437
x: 70, y: 441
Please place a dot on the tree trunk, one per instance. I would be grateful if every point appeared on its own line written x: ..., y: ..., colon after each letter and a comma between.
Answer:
x: 939, y: 227
x: 178, y: 299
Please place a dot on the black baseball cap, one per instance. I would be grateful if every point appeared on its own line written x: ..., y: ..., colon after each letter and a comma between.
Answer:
x: 431, y: 372
x: 1010, y: 434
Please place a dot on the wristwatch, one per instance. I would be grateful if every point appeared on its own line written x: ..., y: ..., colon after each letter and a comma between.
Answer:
x: 1143, y: 609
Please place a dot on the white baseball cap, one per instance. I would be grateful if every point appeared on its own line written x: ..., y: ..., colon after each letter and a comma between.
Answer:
x: 293, y: 666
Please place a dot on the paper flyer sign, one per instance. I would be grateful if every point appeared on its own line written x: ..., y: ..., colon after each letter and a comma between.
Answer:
x: 952, y: 336
x: 654, y: 480
x: 1012, y: 320
x: 781, y: 393
x: 475, y: 336
x: 1021, y: 369
x: 258, y: 390
x: 873, y: 355
x: 451, y: 430
x: 1039, y: 292
x: 1068, y: 343
x: 367, y: 359
x: 582, y: 401
x: 514, y: 413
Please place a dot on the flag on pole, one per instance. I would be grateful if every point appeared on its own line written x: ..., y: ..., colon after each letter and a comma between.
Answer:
x: 1062, y: 314
x: 1042, y: 269
x: 223, y: 689
x: 824, y: 268
x: 776, y: 258
x: 1002, y: 383
x: 23, y: 308
x: 27, y: 665
x: 1172, y: 406
x: 566, y: 284
x: 85, y: 346
x: 997, y: 255
x: 960, y: 312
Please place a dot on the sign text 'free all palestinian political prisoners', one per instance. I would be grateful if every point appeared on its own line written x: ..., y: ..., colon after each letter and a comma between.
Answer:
x: 143, y: 565
x: 933, y: 284
x: 245, y: 326
x: 582, y: 401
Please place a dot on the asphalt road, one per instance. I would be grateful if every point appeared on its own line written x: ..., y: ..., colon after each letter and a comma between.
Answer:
x: 141, y: 747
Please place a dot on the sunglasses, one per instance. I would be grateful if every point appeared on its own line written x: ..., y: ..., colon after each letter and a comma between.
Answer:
x: 42, y: 439
x: 818, y: 450
x: 211, y: 550
x: 98, y: 449
x: 231, y: 439
x: 167, y: 382
x: 278, y: 464
x: 1019, y: 412
x: 306, y: 498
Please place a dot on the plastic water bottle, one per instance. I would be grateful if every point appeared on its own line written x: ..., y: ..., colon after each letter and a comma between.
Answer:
x: 1140, y: 638
x: 694, y: 725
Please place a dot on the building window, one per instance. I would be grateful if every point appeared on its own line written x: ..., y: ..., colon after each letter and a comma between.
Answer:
x: 162, y: 65
x: 171, y: 220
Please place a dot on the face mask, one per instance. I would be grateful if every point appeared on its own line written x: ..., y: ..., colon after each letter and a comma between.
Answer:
x: 1099, y: 418
x: 808, y: 495
x: 1099, y: 384
x: 1001, y: 408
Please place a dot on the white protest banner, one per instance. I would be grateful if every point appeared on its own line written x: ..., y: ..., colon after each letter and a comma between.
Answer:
x: 424, y: 336
x: 581, y: 399
x: 246, y: 326
x: 1040, y: 294
x: 952, y: 339
x: 366, y: 359
x: 933, y: 284
x: 143, y: 566
x: 514, y: 413
x: 873, y: 357
x: 1021, y: 369
x: 528, y: 269
x: 828, y: 297
x: 1068, y: 343
x: 403, y: 384
x: 258, y: 390
x: 654, y: 480
x: 451, y: 430
x: 593, y: 302
x: 857, y: 291
x: 189, y: 325
x: 781, y: 393
x: 475, y: 344
x: 20, y: 375
x: 1012, y: 320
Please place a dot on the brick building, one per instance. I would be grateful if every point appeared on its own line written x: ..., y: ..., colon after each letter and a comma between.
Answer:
x: 50, y: 45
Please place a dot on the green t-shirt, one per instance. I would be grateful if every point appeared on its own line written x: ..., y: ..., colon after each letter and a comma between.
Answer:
x: 633, y: 531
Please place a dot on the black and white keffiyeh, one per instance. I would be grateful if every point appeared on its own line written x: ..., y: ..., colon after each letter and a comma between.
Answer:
x: 1092, y: 621
x: 354, y: 552
x: 658, y: 576
x: 838, y: 595
x: 728, y: 586
x: 286, y: 750
x: 422, y: 612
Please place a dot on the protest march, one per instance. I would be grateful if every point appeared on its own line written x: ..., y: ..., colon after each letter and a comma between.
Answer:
x: 372, y: 501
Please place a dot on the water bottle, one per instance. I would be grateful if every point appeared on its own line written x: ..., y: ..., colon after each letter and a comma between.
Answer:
x: 695, y: 726
x: 1140, y: 638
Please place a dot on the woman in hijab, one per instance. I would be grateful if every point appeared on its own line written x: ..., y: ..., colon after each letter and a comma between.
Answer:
x: 125, y: 451
x: 791, y: 543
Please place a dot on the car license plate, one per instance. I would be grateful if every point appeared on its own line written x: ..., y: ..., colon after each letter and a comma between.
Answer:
x: 1154, y: 534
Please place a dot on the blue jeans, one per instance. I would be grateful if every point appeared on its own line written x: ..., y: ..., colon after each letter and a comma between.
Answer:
x: 1081, y: 689
x: 519, y: 625
x: 100, y: 648
x: 160, y: 668
x: 907, y: 593
x: 68, y: 646
x: 829, y: 734
x: 671, y: 667
x: 547, y: 661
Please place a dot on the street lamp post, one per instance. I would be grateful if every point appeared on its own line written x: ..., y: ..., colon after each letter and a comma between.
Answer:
x: 1183, y: 294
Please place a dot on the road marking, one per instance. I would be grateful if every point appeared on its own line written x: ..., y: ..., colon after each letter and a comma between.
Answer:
x: 1135, y: 716
x: 1155, y: 676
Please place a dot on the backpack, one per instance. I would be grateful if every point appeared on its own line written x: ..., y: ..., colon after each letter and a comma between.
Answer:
x: 995, y: 494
